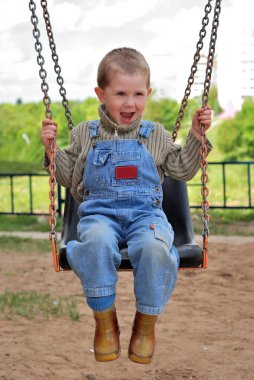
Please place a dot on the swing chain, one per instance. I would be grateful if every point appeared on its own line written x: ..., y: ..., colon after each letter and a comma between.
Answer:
x: 211, y: 53
x: 187, y: 92
x: 57, y: 67
x: 205, y: 96
x: 40, y: 60
x: 49, y: 115
x: 204, y: 164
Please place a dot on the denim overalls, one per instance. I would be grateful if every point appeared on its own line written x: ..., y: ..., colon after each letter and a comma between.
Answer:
x: 123, y: 205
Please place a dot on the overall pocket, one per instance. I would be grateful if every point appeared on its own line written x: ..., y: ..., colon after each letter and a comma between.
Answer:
x: 101, y: 156
x: 125, y: 168
x: 97, y: 175
x: 164, y: 233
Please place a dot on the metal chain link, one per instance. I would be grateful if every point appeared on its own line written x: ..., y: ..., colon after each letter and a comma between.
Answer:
x: 205, y: 96
x: 211, y: 52
x: 187, y: 92
x: 203, y: 152
x: 49, y: 115
x: 57, y: 67
x: 40, y: 60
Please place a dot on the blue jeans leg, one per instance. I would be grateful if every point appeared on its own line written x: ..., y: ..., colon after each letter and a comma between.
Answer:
x: 155, y: 263
x: 95, y: 258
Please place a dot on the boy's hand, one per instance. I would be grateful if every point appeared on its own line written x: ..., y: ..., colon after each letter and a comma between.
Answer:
x: 48, y: 132
x: 201, y: 116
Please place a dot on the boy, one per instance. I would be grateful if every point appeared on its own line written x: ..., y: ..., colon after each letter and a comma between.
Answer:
x: 114, y: 168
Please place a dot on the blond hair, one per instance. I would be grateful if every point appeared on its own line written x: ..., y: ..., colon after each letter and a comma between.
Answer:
x: 125, y: 60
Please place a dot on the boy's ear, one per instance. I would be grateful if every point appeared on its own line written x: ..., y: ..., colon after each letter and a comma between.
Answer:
x: 100, y: 94
x: 149, y: 90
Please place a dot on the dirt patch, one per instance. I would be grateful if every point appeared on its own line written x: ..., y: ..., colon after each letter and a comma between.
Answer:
x: 205, y: 333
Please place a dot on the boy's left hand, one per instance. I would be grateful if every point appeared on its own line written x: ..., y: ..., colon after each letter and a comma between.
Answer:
x: 201, y: 116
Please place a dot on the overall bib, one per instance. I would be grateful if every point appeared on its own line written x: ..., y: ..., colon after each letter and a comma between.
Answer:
x: 123, y: 206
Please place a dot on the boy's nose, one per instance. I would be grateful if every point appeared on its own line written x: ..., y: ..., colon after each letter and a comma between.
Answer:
x: 130, y: 101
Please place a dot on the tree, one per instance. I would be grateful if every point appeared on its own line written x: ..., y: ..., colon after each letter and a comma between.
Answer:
x: 213, y: 100
x: 235, y: 136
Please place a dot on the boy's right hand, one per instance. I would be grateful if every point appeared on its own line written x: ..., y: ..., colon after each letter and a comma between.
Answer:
x: 48, y: 132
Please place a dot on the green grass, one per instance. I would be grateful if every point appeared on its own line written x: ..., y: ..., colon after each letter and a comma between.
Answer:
x: 21, y: 193
x: 236, y: 185
x: 225, y: 221
x: 24, y: 223
x: 30, y: 304
x: 23, y: 245
x: 20, y: 167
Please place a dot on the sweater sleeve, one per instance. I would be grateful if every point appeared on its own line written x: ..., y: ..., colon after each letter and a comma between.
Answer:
x: 183, y: 162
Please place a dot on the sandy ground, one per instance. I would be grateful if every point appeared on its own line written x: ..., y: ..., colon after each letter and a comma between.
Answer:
x: 206, y: 332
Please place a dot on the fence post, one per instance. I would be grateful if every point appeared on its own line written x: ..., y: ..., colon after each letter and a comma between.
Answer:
x: 12, y: 194
x: 224, y: 184
x: 249, y: 185
x: 31, y: 193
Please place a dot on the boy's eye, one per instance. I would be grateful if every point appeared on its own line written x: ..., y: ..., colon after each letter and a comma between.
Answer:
x: 120, y: 93
x: 139, y: 94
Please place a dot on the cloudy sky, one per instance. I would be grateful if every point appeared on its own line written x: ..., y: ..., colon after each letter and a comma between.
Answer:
x: 165, y: 31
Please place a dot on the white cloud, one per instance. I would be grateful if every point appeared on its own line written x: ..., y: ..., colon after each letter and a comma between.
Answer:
x: 13, y: 15
x: 10, y: 57
x: 164, y: 38
x: 115, y: 15
x: 65, y: 16
x: 166, y: 32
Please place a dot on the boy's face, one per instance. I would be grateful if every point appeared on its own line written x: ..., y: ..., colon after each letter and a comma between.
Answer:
x: 124, y: 97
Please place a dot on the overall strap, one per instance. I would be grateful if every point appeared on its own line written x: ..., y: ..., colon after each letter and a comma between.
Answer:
x: 146, y: 128
x: 93, y: 126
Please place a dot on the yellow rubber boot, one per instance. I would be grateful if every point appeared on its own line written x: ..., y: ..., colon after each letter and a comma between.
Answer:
x: 142, y: 343
x: 106, y: 338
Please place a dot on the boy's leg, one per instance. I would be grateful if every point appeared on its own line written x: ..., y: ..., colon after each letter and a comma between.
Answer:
x: 155, y: 264
x: 95, y: 259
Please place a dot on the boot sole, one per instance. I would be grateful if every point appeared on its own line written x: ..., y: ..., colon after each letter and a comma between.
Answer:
x: 141, y: 360
x: 107, y: 357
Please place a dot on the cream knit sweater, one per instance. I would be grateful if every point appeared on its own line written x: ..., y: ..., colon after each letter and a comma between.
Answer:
x: 179, y: 162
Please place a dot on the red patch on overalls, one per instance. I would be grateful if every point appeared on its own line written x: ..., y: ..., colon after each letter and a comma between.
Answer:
x: 126, y: 172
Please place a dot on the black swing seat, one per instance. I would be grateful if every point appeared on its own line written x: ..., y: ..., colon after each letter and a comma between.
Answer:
x: 176, y: 208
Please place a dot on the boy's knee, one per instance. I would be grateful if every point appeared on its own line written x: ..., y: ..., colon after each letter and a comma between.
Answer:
x: 158, y: 252
x: 99, y: 233
x: 157, y: 242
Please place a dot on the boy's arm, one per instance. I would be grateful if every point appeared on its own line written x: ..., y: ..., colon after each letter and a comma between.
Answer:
x: 182, y: 163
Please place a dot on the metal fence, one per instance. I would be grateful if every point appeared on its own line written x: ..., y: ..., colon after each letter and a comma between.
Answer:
x: 231, y: 183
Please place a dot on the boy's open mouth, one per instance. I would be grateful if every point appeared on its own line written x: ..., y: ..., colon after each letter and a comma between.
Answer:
x: 127, y: 115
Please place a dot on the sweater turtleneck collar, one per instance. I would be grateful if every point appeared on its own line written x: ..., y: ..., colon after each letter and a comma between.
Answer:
x: 111, y: 126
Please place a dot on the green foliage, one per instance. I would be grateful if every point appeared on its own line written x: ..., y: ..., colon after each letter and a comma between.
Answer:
x: 163, y: 111
x: 20, y: 146
x: 22, y: 151
x: 20, y: 130
x: 228, y: 138
x: 235, y: 136
x: 213, y: 100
